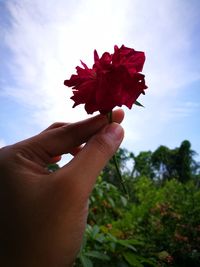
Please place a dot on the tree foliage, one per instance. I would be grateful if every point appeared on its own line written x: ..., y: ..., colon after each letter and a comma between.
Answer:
x: 161, y: 228
x: 160, y: 165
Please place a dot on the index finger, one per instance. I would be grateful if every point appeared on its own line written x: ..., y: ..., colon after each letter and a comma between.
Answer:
x: 61, y: 140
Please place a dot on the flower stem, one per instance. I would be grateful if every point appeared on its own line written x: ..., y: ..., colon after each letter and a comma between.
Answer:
x: 121, y: 180
x: 114, y: 158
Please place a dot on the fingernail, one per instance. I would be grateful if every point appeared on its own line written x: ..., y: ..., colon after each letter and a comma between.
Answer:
x: 114, y: 131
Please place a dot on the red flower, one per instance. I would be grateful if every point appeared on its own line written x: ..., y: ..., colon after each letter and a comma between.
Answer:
x: 114, y: 80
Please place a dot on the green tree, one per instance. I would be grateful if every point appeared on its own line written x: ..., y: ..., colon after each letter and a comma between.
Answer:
x: 184, y: 161
x: 143, y: 165
x: 164, y: 163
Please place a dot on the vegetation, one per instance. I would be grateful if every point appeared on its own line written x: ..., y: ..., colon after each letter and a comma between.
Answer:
x: 158, y: 225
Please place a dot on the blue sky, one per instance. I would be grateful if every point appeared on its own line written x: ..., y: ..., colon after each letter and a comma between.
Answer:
x: 41, y: 43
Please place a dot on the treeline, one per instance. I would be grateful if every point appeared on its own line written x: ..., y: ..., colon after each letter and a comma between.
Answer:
x: 160, y: 165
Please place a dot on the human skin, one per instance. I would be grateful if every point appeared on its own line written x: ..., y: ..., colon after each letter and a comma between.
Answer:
x: 42, y: 214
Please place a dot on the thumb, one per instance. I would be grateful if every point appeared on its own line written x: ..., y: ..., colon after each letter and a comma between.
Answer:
x: 88, y: 163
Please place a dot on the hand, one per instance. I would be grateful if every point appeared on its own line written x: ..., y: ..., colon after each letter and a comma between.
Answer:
x: 43, y: 214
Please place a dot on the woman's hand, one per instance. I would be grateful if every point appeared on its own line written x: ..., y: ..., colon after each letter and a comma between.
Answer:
x: 43, y: 214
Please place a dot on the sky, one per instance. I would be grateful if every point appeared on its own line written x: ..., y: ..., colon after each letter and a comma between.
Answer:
x: 41, y: 43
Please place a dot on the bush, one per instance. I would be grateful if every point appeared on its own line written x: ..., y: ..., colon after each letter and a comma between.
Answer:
x: 158, y: 226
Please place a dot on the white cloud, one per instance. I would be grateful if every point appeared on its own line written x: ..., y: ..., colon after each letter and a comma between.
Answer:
x: 184, y: 109
x: 49, y: 42
x: 164, y: 30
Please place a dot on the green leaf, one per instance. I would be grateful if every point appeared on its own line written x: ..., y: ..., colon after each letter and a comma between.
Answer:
x: 126, y: 243
x: 148, y: 261
x: 92, y: 199
x: 100, y: 238
x: 88, y: 228
x: 138, y: 104
x: 112, y: 246
x: 124, y: 201
x: 86, y: 262
x: 137, y: 260
x: 132, y: 259
x: 95, y: 231
x: 111, y: 238
x: 112, y: 203
x: 135, y: 242
x: 98, y: 255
